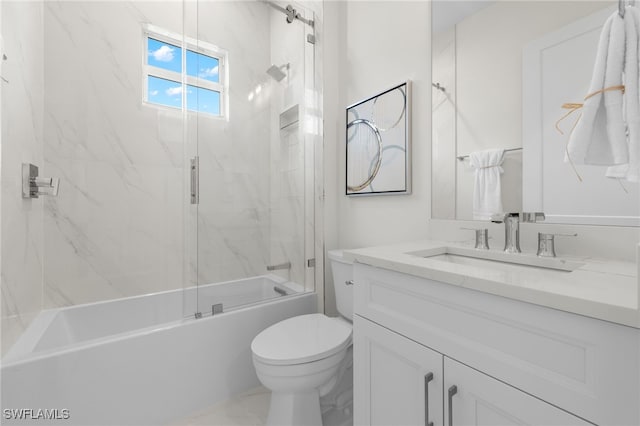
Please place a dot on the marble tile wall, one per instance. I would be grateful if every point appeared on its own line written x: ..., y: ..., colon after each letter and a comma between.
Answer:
x: 22, y: 141
x: 116, y: 228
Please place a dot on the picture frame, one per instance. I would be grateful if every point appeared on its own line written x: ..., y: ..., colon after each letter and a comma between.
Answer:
x: 378, y: 143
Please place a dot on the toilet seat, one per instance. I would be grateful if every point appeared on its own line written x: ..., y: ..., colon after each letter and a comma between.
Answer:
x: 301, y: 339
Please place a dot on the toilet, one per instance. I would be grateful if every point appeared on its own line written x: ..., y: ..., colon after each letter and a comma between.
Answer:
x: 302, y: 359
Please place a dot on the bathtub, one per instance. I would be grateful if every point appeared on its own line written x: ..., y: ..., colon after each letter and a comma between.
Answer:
x: 138, y: 360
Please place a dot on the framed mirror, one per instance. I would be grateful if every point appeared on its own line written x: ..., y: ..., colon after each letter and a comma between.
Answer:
x: 501, y: 71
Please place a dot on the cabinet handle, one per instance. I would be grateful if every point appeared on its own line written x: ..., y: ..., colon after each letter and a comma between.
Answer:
x: 452, y: 391
x: 427, y: 379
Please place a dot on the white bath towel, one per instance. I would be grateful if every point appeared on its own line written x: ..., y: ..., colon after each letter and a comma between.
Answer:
x: 599, y: 137
x: 630, y: 171
x: 487, y: 192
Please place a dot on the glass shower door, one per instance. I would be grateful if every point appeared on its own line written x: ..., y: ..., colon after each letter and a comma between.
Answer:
x: 254, y: 217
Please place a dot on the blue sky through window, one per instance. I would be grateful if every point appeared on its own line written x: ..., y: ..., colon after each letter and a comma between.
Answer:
x: 203, y: 100
x: 168, y: 92
x: 164, y: 55
x: 164, y: 92
x: 202, y: 66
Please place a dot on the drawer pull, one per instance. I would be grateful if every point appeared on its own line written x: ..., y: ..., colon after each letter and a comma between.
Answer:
x: 427, y: 379
x: 452, y: 391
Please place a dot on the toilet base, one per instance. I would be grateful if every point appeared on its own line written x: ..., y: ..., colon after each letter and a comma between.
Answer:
x: 295, y: 409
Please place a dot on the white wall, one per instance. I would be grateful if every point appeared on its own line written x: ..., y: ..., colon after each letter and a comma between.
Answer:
x: 22, y: 118
x: 377, y: 44
x: 386, y: 43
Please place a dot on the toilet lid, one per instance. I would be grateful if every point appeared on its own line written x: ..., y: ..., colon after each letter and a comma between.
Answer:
x: 301, y: 339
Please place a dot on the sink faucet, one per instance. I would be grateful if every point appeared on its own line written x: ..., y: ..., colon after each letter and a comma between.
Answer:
x: 512, y: 227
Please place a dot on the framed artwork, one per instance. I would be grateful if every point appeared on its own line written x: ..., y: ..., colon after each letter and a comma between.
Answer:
x: 379, y: 143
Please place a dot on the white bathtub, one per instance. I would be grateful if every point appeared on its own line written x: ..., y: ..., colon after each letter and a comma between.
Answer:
x: 137, y: 360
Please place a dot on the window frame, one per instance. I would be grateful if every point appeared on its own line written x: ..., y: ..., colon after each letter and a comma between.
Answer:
x: 185, y: 44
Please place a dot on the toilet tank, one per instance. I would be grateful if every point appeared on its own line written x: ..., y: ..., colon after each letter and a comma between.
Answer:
x: 342, y: 271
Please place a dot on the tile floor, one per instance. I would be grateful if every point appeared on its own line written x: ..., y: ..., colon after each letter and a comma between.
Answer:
x: 249, y: 408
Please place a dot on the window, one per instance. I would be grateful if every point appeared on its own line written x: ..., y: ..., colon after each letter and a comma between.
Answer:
x: 185, y: 73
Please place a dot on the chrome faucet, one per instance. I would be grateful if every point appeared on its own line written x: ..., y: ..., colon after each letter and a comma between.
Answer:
x: 512, y: 227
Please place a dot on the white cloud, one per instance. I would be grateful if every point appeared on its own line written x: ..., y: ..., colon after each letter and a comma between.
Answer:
x: 154, y: 93
x: 173, y: 91
x: 163, y: 54
x: 209, y: 72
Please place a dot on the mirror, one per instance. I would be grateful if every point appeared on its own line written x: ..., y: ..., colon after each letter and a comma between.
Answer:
x: 501, y: 72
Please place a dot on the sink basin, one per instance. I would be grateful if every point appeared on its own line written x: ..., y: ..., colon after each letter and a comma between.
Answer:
x: 497, y: 259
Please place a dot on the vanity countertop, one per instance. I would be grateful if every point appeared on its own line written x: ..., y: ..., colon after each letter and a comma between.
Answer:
x: 600, y: 288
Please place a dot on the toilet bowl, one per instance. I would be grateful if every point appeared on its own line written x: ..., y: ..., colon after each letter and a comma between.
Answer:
x: 300, y: 359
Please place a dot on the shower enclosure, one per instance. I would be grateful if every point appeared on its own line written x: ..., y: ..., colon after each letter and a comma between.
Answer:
x: 186, y: 137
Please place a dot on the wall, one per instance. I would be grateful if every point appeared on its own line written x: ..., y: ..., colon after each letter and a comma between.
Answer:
x: 115, y: 229
x: 375, y: 61
x: 22, y: 137
x: 377, y: 44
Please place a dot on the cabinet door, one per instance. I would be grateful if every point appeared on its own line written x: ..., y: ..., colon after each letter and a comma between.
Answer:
x: 393, y: 378
x: 482, y: 400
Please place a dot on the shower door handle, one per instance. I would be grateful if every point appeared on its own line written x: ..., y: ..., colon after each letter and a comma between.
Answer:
x: 195, y: 180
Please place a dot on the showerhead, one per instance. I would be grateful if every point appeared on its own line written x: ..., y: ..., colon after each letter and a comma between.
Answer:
x: 276, y: 71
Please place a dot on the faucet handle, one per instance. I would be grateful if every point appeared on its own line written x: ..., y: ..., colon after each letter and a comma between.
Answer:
x: 482, y: 237
x: 546, y: 243
x: 531, y: 217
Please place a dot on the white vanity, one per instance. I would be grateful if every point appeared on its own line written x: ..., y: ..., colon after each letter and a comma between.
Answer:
x: 443, y: 340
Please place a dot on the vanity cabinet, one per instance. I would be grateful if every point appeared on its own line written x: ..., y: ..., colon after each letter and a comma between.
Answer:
x: 512, y: 362
x: 394, y: 377
x: 483, y: 400
x: 401, y: 382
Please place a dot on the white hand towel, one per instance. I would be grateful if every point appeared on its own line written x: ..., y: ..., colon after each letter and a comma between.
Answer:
x: 487, y: 192
x: 599, y: 137
x: 630, y: 171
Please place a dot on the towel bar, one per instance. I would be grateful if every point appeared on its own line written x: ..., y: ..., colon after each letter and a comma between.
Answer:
x: 462, y: 157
